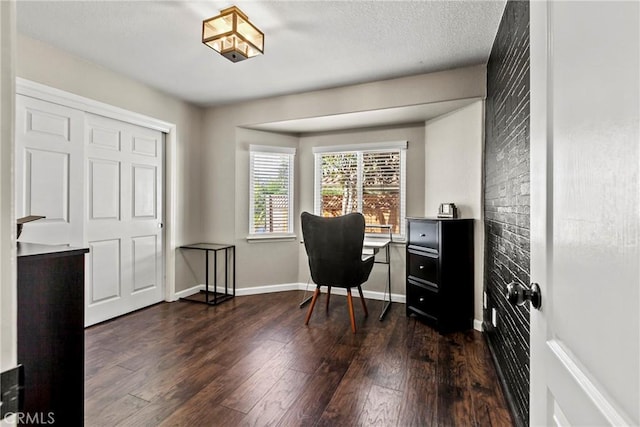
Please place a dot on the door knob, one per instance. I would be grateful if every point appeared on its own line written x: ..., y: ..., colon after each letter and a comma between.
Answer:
x: 518, y: 295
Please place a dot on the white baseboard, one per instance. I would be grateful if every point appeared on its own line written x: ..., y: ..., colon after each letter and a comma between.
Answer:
x: 291, y: 287
x: 187, y: 292
x: 267, y: 289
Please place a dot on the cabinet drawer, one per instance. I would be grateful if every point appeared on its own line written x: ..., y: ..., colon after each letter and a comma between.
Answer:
x: 423, y: 266
x: 424, y: 299
x: 424, y: 233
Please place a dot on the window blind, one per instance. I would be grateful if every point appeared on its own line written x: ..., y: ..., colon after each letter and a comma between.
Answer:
x: 271, y: 190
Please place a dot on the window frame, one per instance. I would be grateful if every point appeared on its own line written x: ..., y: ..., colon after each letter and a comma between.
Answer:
x: 359, y: 150
x: 289, y: 153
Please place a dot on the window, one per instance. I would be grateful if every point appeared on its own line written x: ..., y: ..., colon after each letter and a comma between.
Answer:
x: 271, y: 191
x: 366, y: 178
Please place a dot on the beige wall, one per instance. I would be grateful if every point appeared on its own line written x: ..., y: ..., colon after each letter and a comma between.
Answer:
x: 42, y: 63
x: 453, y: 173
x: 225, y: 202
x: 262, y: 262
x: 284, y: 261
x: 219, y: 135
x: 414, y: 135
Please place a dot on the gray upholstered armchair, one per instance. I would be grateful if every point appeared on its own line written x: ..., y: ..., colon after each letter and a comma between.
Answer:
x: 334, y: 248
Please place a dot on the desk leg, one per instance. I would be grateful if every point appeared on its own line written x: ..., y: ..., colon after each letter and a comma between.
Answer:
x: 306, y: 300
x: 387, y: 304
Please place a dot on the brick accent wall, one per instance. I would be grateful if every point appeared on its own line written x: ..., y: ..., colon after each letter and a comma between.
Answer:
x: 506, y: 197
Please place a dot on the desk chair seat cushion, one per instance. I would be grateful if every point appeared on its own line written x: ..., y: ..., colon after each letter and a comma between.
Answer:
x: 334, y: 248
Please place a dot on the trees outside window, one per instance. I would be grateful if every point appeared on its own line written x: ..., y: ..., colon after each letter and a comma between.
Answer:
x: 366, y: 181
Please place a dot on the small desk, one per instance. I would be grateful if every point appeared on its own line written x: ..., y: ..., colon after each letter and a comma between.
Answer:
x: 218, y: 297
x: 370, y: 247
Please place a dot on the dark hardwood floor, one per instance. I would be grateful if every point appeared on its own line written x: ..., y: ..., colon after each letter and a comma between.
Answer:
x: 251, y: 361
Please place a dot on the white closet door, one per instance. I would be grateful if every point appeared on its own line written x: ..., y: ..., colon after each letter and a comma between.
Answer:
x: 49, y: 171
x: 124, y: 187
x: 99, y: 182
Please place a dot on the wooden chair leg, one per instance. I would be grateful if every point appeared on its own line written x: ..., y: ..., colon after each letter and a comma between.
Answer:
x: 328, y: 297
x: 351, y: 314
x: 364, y: 305
x: 313, y: 303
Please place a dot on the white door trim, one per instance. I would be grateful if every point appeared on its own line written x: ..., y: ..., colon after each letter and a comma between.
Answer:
x: 46, y: 93
x: 8, y: 286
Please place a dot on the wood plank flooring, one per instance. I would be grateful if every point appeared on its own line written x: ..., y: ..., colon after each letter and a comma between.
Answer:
x: 251, y: 362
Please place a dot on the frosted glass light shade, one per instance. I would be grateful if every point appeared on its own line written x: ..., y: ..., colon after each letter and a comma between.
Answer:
x: 232, y: 35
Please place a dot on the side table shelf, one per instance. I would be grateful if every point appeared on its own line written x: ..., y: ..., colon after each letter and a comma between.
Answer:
x: 215, y: 295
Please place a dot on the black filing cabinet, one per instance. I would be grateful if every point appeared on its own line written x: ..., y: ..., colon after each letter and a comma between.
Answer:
x: 51, y: 333
x: 440, y: 272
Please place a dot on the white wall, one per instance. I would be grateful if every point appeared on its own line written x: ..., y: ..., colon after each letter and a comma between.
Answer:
x: 42, y: 63
x: 8, y: 303
x: 453, y: 173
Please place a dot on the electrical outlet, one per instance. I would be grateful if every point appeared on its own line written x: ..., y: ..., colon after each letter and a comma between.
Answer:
x: 494, y: 317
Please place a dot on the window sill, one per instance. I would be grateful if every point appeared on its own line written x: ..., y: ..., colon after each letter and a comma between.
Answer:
x: 270, y: 237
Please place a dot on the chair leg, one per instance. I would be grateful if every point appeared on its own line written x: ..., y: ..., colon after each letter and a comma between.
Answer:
x: 313, y: 303
x: 364, y: 305
x: 328, y: 297
x: 351, y: 314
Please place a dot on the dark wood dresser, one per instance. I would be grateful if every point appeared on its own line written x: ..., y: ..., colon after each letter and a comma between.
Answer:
x: 51, y: 331
x: 440, y: 272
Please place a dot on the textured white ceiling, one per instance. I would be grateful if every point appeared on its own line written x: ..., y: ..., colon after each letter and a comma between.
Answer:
x: 309, y: 45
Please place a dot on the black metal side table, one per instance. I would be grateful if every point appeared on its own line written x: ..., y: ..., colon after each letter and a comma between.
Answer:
x: 215, y: 296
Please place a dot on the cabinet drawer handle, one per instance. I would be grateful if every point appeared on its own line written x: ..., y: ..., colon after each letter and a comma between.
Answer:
x: 421, y: 299
x: 421, y: 267
x: 423, y: 235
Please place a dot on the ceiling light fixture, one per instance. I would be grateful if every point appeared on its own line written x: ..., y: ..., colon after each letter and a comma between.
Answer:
x: 232, y: 35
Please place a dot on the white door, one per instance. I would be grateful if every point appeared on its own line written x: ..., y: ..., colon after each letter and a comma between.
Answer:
x: 585, y: 213
x: 49, y: 171
x: 99, y: 182
x: 124, y: 218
